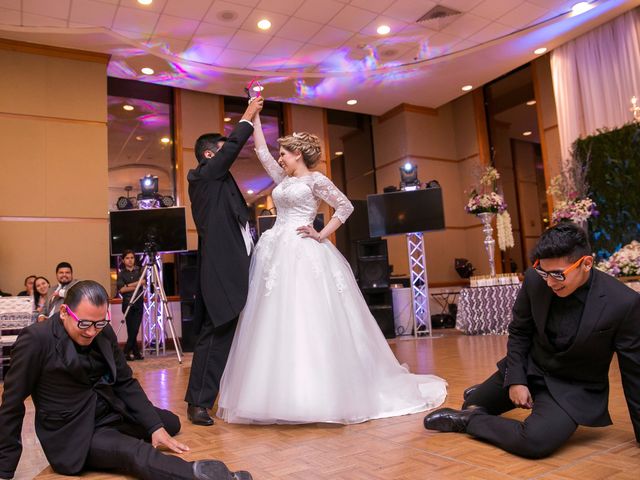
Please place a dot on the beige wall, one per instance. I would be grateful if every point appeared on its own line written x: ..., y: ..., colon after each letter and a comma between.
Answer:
x: 53, y: 144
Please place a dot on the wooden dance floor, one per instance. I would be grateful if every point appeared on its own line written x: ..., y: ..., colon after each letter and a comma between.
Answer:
x: 395, y: 448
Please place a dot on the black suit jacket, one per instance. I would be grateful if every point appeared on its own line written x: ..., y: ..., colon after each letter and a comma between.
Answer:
x: 578, y: 378
x: 45, y: 365
x: 218, y: 210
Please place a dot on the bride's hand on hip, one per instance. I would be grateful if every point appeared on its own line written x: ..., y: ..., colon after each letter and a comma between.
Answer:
x: 307, y: 231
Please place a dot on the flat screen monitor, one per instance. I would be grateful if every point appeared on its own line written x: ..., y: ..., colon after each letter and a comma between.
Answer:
x: 395, y: 213
x: 136, y: 229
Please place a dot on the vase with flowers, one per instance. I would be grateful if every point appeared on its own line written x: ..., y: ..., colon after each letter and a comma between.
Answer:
x: 569, y: 191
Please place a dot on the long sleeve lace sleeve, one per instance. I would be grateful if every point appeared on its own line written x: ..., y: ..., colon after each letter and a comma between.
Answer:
x: 327, y: 191
x: 270, y: 165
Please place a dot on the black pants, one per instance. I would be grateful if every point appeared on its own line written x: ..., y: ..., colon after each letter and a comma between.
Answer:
x: 133, y: 319
x: 124, y: 447
x: 543, y: 431
x: 209, y: 360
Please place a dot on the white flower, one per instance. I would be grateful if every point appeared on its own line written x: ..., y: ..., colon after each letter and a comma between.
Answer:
x: 505, y: 231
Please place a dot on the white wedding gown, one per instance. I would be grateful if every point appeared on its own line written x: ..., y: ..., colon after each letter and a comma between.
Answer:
x: 307, y: 349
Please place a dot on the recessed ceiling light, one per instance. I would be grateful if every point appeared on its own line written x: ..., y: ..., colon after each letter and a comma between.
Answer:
x: 540, y: 51
x: 531, y: 102
x: 145, y: 2
x: 264, y: 24
x: 165, y: 139
x: 352, y: 102
x: 227, y: 119
x: 466, y: 88
x: 527, y: 133
x: 147, y: 71
x: 383, y: 29
x: 261, y: 205
x: 139, y: 138
x: 581, y: 7
x: 250, y: 192
x: 338, y: 153
x: 128, y: 108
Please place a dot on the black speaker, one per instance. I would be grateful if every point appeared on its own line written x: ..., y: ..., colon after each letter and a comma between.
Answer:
x: 442, y: 320
x: 373, y: 264
x: 381, y: 307
x: 187, y: 275
x: 189, y: 336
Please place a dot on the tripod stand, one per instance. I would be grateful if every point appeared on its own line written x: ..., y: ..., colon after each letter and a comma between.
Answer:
x: 156, y: 313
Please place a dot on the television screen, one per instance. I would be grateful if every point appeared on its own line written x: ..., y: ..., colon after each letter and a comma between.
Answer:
x: 134, y: 229
x: 405, y: 212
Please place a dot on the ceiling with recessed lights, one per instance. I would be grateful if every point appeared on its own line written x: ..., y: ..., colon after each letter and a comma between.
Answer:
x: 311, y: 52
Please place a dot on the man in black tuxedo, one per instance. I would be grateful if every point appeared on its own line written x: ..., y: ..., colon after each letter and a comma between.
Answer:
x: 224, y: 247
x: 568, y: 320
x: 91, y: 414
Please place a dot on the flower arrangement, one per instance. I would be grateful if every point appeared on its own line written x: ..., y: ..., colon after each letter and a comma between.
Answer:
x: 484, y: 198
x: 625, y: 262
x: 569, y: 192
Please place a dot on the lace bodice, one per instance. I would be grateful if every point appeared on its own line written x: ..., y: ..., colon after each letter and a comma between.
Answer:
x: 297, y: 198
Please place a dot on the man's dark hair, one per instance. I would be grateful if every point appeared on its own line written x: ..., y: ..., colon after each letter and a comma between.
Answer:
x: 208, y: 141
x: 563, y: 240
x: 64, y: 265
x: 89, y: 290
x: 27, y: 278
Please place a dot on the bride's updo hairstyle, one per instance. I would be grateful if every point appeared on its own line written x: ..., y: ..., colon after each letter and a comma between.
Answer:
x: 306, y: 143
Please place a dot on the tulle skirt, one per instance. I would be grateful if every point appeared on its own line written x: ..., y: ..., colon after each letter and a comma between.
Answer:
x: 307, y: 348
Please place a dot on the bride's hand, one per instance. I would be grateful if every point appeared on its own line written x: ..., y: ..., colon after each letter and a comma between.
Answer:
x: 307, y: 231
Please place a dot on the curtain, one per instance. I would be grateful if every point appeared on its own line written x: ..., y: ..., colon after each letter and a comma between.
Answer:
x: 594, y: 78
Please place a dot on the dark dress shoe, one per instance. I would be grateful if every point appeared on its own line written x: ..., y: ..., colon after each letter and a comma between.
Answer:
x: 130, y: 357
x: 215, y: 470
x: 467, y: 393
x: 138, y: 356
x: 450, y: 420
x: 199, y: 416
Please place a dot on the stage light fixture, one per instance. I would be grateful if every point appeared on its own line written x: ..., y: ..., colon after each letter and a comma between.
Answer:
x: 167, y: 201
x: 149, y: 186
x: 124, y: 203
x: 409, y: 177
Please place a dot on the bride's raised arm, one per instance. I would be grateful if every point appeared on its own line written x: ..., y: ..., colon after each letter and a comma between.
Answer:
x: 268, y: 162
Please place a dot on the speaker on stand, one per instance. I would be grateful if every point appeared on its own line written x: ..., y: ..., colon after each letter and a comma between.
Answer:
x: 373, y: 279
x: 187, y: 282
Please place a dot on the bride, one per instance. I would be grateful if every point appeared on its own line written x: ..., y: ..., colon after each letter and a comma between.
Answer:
x: 307, y: 349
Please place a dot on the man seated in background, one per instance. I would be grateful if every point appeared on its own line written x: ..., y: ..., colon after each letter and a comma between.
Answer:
x: 28, y: 286
x: 64, y: 275
x: 90, y: 413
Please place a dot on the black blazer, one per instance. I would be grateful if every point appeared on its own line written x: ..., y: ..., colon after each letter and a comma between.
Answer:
x: 45, y: 365
x: 578, y: 378
x: 218, y: 210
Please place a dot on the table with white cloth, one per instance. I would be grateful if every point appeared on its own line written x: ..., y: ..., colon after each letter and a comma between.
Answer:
x: 15, y: 314
x: 486, y: 310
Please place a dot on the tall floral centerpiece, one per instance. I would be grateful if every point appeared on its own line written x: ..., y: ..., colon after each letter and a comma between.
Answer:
x: 485, y: 202
x: 623, y: 263
x: 569, y: 191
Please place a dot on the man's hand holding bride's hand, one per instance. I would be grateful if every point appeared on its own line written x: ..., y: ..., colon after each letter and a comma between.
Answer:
x: 255, y: 105
x: 307, y: 231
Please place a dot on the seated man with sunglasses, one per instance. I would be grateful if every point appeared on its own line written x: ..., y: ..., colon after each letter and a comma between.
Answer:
x: 91, y: 414
x: 568, y: 320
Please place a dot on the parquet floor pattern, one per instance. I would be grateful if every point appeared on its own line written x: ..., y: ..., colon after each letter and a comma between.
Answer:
x: 395, y: 448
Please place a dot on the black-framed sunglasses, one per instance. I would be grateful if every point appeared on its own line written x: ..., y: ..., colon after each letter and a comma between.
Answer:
x: 561, y: 276
x: 84, y: 324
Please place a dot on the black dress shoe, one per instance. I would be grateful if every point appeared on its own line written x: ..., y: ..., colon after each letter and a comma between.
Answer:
x: 199, y: 416
x: 450, y: 420
x: 129, y: 356
x: 467, y: 393
x: 215, y: 470
x: 138, y: 356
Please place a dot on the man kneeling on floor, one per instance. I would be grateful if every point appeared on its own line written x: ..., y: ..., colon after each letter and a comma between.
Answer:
x: 568, y: 320
x: 91, y: 414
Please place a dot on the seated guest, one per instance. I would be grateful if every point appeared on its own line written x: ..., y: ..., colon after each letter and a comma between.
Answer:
x: 91, y: 414
x: 40, y: 292
x: 568, y: 321
x: 127, y: 281
x: 28, y: 286
x: 64, y: 275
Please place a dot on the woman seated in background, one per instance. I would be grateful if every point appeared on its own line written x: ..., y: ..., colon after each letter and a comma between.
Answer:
x: 40, y: 293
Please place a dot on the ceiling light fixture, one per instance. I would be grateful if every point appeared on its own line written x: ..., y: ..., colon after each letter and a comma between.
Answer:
x: 264, y: 24
x: 527, y: 133
x: 249, y: 192
x: 227, y: 119
x: 338, y: 153
x: 383, y: 29
x: 147, y: 71
x: 581, y: 7
x: 139, y: 138
x: 531, y: 102
x: 540, y: 51
x: 165, y: 140
x: 145, y: 2
x: 352, y: 102
x: 128, y: 108
x: 466, y: 88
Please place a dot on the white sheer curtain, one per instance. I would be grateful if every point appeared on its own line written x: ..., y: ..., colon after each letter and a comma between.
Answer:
x: 594, y: 78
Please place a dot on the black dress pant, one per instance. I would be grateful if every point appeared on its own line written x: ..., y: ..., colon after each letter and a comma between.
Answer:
x: 546, y: 429
x: 124, y: 447
x: 133, y: 319
x: 209, y: 360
